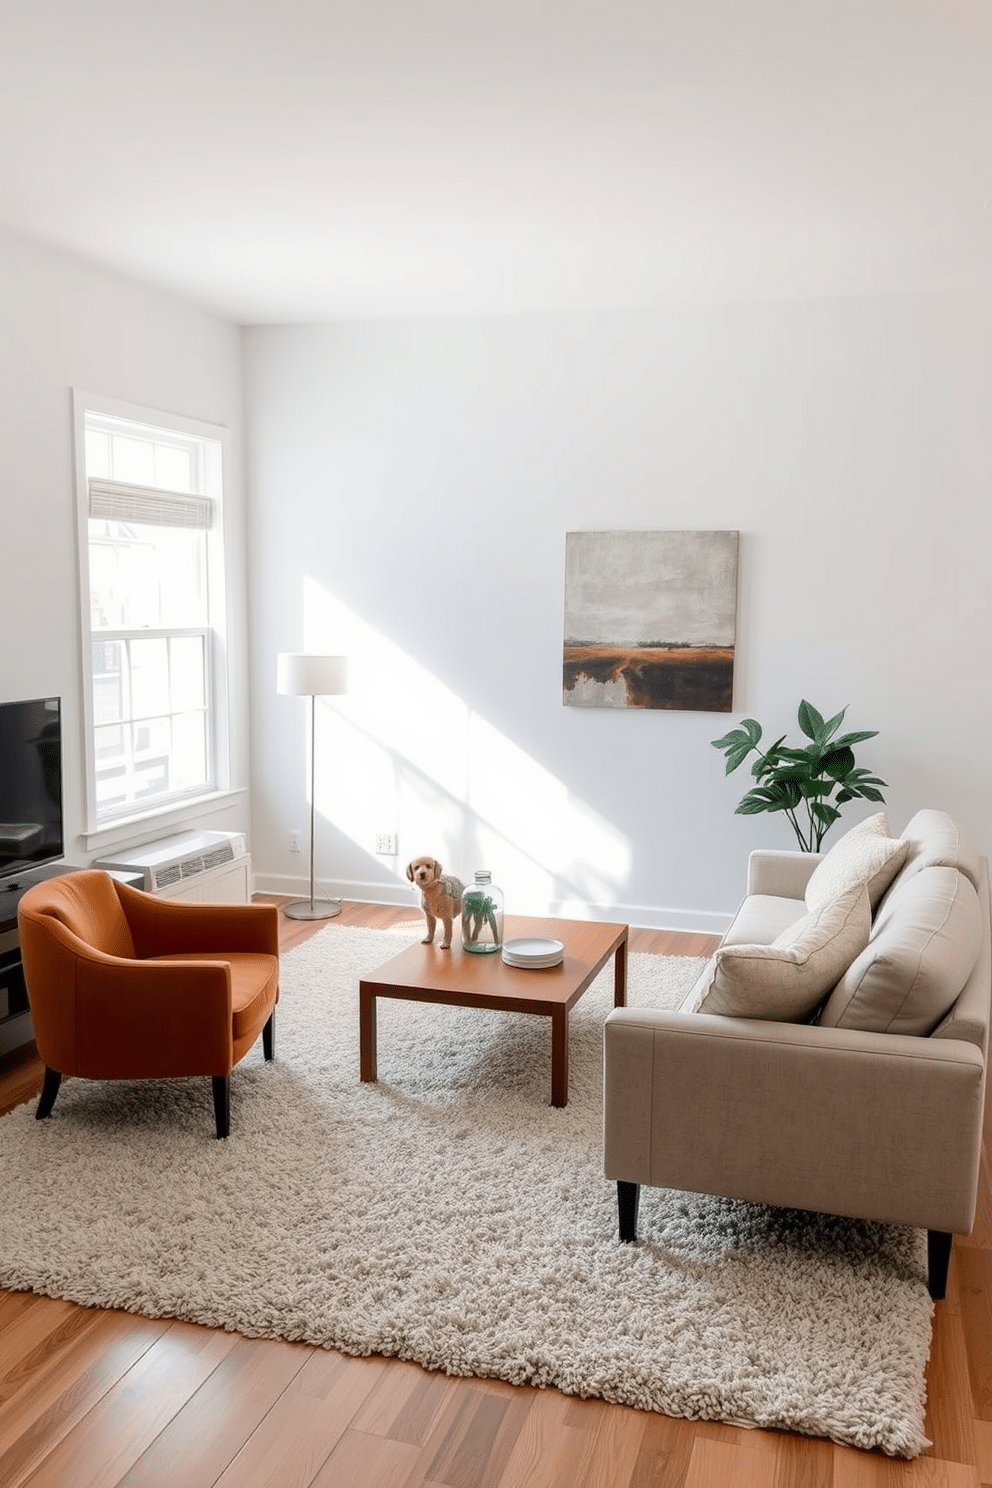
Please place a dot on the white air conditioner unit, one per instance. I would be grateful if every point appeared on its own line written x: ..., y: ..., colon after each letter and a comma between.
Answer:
x: 175, y: 864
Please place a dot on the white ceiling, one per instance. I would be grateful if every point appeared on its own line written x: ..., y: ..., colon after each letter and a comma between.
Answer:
x: 299, y: 160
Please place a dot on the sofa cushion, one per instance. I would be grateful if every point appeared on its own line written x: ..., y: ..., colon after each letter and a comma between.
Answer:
x: 761, y: 918
x: 936, y: 841
x: 923, y: 946
x: 864, y: 855
x: 788, y: 979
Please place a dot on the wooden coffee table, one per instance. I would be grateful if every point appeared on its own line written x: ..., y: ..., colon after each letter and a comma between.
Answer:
x: 425, y: 973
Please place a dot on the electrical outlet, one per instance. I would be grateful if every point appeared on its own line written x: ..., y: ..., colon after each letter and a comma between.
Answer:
x: 296, y: 841
x: 385, y: 843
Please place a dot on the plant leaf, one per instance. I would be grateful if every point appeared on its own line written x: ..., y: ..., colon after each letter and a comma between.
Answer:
x: 809, y: 754
x: 799, y: 771
x: 736, y: 757
x: 824, y: 813
x: 861, y: 776
x: 846, y: 740
x: 833, y: 724
x: 729, y: 741
x: 810, y: 720
x: 770, y: 798
x: 839, y: 763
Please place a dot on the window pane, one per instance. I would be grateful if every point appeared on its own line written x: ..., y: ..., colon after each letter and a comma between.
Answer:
x: 173, y: 468
x: 97, y: 454
x: 151, y: 741
x: 133, y: 460
x: 188, y: 673
x: 152, y: 577
x: 189, y: 750
x: 111, y: 767
x: 109, y: 682
x: 149, y: 678
x: 182, y: 562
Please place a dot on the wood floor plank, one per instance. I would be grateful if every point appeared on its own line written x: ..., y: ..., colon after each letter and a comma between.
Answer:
x: 12, y: 1306
x: 550, y: 1451
x: 662, y: 1459
x: 950, y: 1417
x: 853, y: 1469
x: 22, y: 1082
x: 617, y: 1436
x: 803, y: 1462
x: 405, y: 1403
x: 974, y: 1279
x: 363, y: 1461
x: 712, y: 1462
x: 477, y: 1438
x: 303, y: 1427
x: 983, y: 1446
x: 201, y: 1441
x: 63, y: 1389
x: 34, y: 1335
x: 114, y: 1433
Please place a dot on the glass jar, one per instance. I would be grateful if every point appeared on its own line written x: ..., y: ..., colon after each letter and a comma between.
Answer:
x: 482, y: 914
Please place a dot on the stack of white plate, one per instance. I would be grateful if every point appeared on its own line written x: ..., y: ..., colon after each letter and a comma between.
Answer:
x: 533, y: 952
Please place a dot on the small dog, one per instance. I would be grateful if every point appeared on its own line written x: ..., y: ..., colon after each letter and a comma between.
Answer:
x: 440, y: 897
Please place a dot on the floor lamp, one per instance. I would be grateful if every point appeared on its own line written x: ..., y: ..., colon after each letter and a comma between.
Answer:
x: 313, y: 677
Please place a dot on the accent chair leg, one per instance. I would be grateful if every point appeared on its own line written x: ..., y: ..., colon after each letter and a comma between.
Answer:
x: 628, y: 1198
x: 938, y: 1259
x: 269, y: 1036
x: 49, y: 1090
x: 222, y: 1103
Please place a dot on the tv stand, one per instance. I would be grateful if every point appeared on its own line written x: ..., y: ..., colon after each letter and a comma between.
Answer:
x: 15, y: 1019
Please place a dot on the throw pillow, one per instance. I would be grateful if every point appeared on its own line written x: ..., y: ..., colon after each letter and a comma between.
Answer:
x: 787, y: 980
x: 936, y: 841
x: 864, y: 855
x: 923, y: 948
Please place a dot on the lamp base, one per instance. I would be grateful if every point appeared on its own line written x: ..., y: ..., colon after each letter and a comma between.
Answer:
x: 320, y: 909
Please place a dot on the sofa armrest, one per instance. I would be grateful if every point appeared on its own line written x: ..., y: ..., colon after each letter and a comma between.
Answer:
x: 877, y: 1126
x: 781, y: 874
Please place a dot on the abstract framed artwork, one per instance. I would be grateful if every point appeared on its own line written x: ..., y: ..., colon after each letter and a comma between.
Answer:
x: 650, y: 620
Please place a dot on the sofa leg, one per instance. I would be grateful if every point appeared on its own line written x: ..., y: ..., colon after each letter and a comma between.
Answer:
x: 628, y: 1198
x: 222, y: 1103
x: 938, y: 1259
x: 269, y: 1036
x: 49, y: 1090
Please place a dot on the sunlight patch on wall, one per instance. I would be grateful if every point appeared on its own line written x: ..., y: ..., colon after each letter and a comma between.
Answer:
x: 402, y: 752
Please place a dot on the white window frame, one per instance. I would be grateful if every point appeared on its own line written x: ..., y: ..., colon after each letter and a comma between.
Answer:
x: 178, y: 806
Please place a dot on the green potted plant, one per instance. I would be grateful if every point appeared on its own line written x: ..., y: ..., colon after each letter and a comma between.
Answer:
x: 802, y: 782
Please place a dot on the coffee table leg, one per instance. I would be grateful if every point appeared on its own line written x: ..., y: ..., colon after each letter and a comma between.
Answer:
x: 620, y: 976
x: 367, y: 1059
x: 559, y: 1057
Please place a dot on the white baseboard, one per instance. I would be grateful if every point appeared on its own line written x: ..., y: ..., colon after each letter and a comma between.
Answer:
x: 644, y: 916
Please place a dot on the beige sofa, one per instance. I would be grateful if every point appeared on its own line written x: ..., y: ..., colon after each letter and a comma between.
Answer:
x: 832, y: 1055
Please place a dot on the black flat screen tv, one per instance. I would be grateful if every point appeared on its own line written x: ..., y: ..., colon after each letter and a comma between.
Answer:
x: 30, y: 785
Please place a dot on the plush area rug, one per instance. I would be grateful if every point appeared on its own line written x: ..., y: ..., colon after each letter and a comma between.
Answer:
x: 449, y: 1215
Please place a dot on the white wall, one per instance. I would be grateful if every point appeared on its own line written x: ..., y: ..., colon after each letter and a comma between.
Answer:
x: 65, y: 324
x: 411, y: 486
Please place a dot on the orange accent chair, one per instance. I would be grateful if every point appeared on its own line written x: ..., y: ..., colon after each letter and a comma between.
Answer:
x: 126, y: 986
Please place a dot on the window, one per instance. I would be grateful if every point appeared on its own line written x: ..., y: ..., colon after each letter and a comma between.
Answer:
x: 151, y: 563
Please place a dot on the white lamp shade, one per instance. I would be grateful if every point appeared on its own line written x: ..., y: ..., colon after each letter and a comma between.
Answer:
x: 311, y: 676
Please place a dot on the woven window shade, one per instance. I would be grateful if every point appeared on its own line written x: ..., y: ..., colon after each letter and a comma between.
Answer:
x: 116, y: 501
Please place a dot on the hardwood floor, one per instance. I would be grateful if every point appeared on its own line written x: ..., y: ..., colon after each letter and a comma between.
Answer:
x: 92, y: 1399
